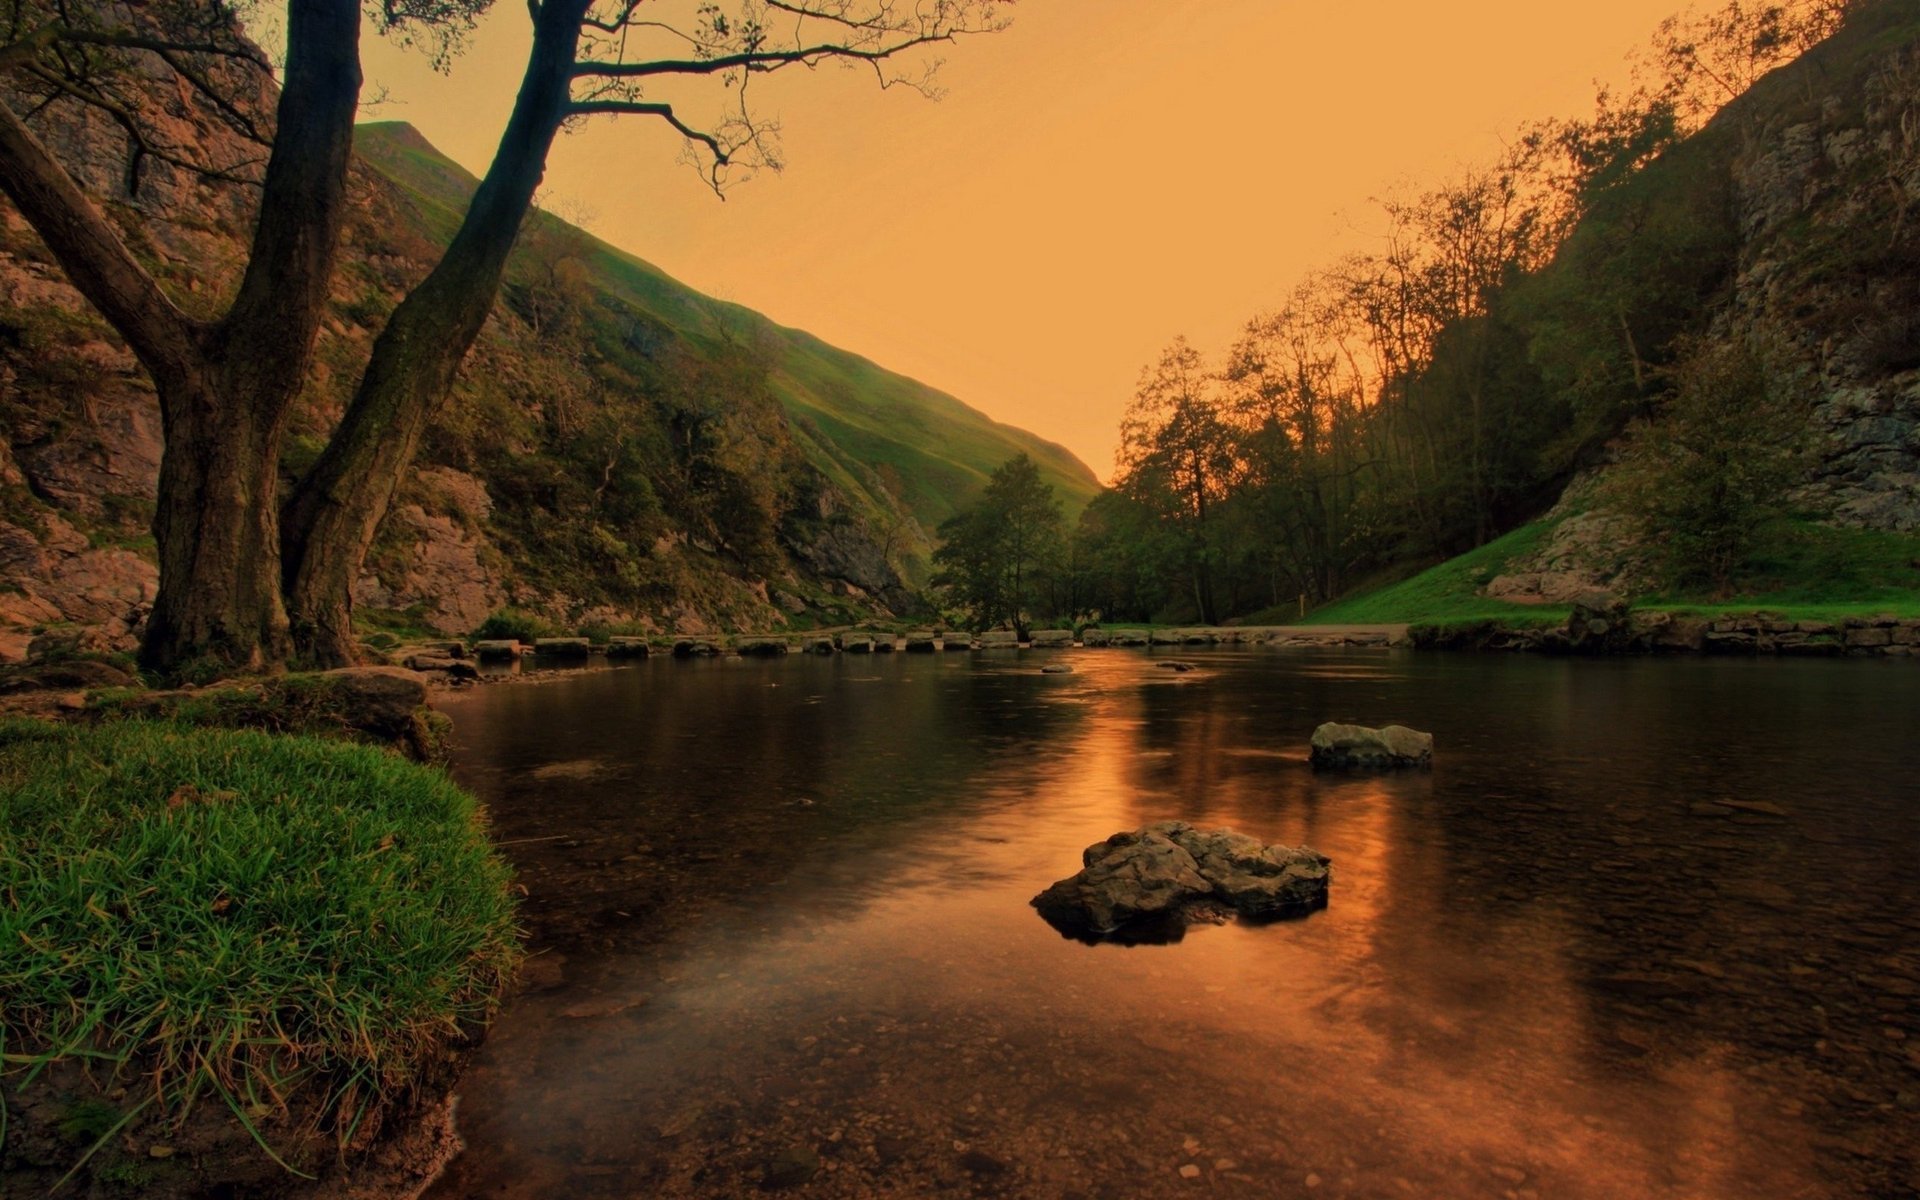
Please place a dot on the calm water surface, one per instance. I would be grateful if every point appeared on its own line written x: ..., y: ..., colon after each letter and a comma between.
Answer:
x: 1647, y: 929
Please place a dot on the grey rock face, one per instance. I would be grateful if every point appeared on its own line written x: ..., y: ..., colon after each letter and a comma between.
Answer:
x: 1336, y: 745
x: 1150, y: 884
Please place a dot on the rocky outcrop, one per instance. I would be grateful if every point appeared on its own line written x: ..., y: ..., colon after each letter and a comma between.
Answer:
x: 1150, y: 884
x: 1336, y: 745
x: 59, y: 578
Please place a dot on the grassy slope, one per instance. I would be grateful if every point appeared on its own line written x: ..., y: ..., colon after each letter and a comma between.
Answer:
x: 852, y: 412
x: 1812, y: 572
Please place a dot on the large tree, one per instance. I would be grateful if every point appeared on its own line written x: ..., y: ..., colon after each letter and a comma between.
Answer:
x: 252, y: 573
x: 1178, y: 456
x: 995, y: 557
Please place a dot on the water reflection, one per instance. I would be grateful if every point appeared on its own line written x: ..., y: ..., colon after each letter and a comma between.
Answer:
x: 1646, y: 929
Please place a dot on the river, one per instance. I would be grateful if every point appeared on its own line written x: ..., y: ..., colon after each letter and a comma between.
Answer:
x: 1648, y: 928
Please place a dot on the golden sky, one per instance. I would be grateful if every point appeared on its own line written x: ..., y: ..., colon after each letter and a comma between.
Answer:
x: 1102, y: 176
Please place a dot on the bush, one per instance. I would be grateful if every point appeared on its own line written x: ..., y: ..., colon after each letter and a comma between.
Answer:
x: 512, y: 625
x: 284, y: 924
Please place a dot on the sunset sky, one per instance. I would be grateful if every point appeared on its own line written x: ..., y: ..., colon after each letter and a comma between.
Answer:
x: 1099, y: 178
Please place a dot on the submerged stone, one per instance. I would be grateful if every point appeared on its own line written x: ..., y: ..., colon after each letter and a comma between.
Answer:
x: 1150, y: 884
x: 1336, y: 745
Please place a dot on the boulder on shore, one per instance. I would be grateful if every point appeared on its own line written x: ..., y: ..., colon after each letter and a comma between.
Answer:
x: 1151, y: 884
x: 1336, y: 745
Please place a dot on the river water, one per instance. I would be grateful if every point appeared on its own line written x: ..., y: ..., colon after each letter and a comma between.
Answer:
x: 1648, y: 928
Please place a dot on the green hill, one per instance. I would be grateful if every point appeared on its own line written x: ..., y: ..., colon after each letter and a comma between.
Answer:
x: 850, y: 412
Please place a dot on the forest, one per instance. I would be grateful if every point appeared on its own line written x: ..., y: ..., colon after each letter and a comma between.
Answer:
x: 1518, y: 324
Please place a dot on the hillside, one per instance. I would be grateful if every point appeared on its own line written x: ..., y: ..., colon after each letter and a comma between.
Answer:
x: 620, y: 449
x: 855, y: 416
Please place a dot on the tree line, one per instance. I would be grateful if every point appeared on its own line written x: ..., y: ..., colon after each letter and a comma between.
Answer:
x: 1412, y: 402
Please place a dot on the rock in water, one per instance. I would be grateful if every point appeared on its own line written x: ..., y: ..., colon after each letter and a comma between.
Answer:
x: 1149, y: 885
x: 1336, y: 745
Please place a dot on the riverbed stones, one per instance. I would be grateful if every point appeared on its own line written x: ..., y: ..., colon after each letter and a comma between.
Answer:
x: 497, y: 650
x: 1095, y: 637
x: 689, y: 647
x: 820, y: 645
x: 762, y: 647
x: 999, y: 639
x: 1128, y: 637
x: 626, y: 646
x: 1050, y: 639
x: 1337, y: 745
x: 1151, y: 883
x: 562, y: 647
x: 922, y: 641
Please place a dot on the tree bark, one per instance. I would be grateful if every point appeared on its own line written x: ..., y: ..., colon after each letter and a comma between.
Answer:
x: 330, y: 521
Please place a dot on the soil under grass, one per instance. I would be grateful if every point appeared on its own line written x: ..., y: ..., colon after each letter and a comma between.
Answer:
x: 256, y: 946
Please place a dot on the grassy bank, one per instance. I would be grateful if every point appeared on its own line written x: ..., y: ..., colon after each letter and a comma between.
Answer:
x: 265, y: 923
x: 1810, y: 573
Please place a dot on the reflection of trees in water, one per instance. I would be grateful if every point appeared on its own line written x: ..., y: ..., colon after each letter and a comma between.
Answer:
x: 1583, y: 824
x: 690, y: 783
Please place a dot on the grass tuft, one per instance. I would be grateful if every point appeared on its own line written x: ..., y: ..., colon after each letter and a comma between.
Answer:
x: 234, y: 914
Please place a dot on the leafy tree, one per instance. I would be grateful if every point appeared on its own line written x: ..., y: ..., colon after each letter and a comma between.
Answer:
x: 1714, y: 474
x: 245, y: 581
x: 997, y: 558
x: 1177, y: 457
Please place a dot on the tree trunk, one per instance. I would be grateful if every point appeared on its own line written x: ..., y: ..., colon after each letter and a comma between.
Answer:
x: 330, y: 521
x: 216, y: 524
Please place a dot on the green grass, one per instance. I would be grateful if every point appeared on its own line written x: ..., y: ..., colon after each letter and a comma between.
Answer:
x: 238, y: 917
x: 1810, y: 572
x: 1815, y: 572
x: 1448, y: 593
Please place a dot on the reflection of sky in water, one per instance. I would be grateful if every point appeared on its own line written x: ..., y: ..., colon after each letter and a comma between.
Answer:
x: 786, y: 905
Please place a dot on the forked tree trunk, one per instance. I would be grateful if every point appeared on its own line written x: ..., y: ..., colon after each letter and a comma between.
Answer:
x: 225, y: 387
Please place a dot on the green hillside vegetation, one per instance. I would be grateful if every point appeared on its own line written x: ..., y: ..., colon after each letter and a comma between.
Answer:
x: 1810, y: 572
x: 868, y: 430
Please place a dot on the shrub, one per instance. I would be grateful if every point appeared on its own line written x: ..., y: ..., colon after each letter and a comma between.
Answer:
x: 284, y: 924
x: 511, y: 624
